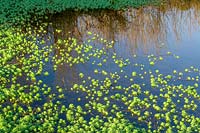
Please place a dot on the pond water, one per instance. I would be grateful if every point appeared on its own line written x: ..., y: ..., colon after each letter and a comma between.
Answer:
x: 171, y: 32
x: 164, y: 39
x: 144, y: 31
x: 137, y: 59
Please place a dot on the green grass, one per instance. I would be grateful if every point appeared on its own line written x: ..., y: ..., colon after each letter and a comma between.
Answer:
x: 15, y: 11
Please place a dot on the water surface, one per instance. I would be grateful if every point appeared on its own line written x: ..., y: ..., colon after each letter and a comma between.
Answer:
x: 152, y: 30
x: 156, y: 31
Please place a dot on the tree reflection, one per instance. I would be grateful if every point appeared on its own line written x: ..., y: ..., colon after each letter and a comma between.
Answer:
x: 144, y: 28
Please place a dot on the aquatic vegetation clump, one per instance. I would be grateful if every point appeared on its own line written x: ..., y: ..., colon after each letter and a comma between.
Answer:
x: 100, y: 91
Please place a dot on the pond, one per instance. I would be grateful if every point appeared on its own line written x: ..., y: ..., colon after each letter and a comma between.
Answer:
x: 140, y: 66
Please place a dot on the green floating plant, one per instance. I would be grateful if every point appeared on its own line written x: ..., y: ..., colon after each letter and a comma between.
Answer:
x: 132, y: 98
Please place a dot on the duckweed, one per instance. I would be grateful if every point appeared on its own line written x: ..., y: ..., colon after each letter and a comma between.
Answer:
x: 98, y: 100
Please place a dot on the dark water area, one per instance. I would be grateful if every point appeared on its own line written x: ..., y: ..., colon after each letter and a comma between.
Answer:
x: 172, y: 29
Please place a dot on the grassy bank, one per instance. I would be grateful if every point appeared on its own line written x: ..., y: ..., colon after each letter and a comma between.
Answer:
x: 14, y: 11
